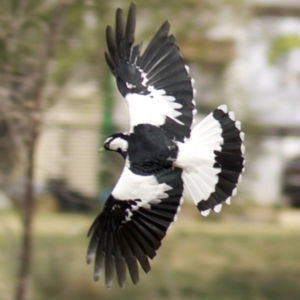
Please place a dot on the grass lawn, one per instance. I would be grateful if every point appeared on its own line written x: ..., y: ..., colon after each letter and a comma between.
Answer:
x: 200, y: 258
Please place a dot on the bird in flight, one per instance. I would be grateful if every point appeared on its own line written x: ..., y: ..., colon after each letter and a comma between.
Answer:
x: 163, y: 156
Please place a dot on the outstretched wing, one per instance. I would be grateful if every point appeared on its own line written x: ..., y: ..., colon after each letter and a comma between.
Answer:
x: 156, y: 84
x: 133, y: 222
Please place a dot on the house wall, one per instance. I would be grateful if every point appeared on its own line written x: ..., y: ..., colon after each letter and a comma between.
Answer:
x: 265, y: 182
x: 69, y: 140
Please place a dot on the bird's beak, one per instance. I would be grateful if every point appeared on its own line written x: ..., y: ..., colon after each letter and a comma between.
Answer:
x: 102, y: 149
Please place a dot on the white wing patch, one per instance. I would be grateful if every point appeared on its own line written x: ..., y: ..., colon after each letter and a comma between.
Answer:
x: 152, y: 108
x: 146, y: 188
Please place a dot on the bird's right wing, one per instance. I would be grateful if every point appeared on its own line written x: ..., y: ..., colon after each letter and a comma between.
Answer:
x: 156, y: 84
x: 134, y: 220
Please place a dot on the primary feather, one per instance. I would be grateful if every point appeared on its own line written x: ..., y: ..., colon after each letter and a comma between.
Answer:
x: 155, y: 84
x: 134, y: 220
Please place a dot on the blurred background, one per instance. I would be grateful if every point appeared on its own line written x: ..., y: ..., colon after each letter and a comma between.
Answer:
x: 58, y: 102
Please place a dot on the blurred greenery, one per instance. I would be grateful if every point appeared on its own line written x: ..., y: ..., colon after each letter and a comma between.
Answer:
x: 199, y: 259
x: 282, y: 45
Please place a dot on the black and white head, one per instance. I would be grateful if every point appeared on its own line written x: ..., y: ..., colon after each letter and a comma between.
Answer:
x: 117, y: 142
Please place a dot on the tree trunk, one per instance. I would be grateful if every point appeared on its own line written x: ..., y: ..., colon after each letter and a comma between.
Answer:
x: 23, y: 281
x: 22, y: 292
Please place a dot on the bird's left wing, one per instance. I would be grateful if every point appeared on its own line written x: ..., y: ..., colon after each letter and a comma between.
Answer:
x: 155, y: 84
x: 134, y: 220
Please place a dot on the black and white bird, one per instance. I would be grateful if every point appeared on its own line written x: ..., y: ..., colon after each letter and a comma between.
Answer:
x: 163, y: 156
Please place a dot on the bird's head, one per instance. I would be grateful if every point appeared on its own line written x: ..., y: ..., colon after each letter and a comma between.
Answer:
x: 116, y: 142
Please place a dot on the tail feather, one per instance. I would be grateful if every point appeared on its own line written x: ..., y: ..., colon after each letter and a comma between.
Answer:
x: 192, y: 187
x: 206, y: 128
x: 212, y: 159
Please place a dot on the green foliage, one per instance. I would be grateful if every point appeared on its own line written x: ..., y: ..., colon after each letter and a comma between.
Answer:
x: 77, y: 44
x: 282, y: 45
x: 23, y: 31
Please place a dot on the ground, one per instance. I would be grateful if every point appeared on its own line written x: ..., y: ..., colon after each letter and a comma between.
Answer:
x: 233, y: 257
